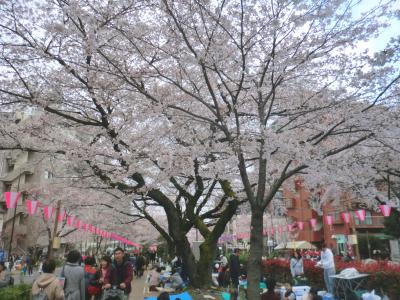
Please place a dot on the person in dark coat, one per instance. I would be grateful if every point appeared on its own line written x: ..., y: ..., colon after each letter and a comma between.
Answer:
x: 121, y: 273
x: 234, y: 267
x: 139, y: 264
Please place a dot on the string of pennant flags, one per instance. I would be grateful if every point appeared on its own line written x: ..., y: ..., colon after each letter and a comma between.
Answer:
x: 299, y: 225
x: 32, y: 207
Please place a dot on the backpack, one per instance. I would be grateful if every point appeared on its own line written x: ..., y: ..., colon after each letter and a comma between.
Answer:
x: 40, y: 296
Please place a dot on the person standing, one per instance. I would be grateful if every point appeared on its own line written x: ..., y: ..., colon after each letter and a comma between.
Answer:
x: 48, y: 282
x: 74, y: 277
x: 234, y: 268
x: 121, y: 273
x: 327, y: 262
x: 92, y: 276
x: 296, y: 264
x: 5, y: 275
x: 29, y: 264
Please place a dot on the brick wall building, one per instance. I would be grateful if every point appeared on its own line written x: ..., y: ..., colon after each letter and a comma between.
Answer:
x: 338, y: 236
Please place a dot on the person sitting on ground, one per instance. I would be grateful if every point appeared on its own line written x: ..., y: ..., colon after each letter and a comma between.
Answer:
x: 48, y: 282
x: 163, y: 296
x: 289, y: 294
x: 176, y: 281
x: 270, y: 294
x: 312, y: 295
x: 154, y: 281
x: 5, y: 275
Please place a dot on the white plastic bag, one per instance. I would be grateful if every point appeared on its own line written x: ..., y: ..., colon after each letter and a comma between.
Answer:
x: 370, y: 296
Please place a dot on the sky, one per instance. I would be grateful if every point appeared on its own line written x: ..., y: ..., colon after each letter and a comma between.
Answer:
x: 379, y: 43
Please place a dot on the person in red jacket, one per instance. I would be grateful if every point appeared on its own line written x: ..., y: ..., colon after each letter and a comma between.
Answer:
x: 122, y: 272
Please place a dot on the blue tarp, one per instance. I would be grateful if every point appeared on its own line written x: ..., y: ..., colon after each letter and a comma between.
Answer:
x: 182, y: 296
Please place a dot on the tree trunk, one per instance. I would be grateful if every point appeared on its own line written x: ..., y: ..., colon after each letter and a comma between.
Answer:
x: 189, y: 263
x: 256, y: 250
x: 205, y: 264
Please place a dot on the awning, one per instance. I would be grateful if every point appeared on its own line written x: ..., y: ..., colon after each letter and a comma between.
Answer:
x: 380, y: 236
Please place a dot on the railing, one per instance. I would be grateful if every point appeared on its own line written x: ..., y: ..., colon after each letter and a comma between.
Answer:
x: 373, y: 221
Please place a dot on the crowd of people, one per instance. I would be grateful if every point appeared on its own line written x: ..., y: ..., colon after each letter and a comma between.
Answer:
x: 87, y: 282
x: 232, y: 273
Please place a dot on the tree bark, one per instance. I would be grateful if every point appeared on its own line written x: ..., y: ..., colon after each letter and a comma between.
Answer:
x: 256, y: 250
x: 205, y: 264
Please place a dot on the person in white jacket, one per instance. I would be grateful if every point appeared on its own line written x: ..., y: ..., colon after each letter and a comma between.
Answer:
x: 327, y: 262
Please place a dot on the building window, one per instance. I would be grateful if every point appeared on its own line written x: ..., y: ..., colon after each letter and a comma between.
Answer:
x: 48, y: 175
x: 336, y: 216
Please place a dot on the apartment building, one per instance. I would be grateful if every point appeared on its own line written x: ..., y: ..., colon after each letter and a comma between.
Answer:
x: 340, y: 236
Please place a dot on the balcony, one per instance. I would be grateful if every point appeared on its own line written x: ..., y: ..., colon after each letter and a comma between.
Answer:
x: 13, y: 175
x: 372, y: 222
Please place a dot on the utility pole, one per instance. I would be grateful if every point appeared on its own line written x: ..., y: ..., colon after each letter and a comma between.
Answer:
x: 13, y: 222
x: 50, y: 255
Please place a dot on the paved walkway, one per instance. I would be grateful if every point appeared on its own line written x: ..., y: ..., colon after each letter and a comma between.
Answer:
x: 138, y: 287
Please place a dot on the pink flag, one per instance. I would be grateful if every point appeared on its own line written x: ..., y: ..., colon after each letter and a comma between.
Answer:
x: 346, y: 217
x: 272, y: 231
x: 78, y: 224
x: 70, y: 220
x: 361, y: 214
x: 32, y: 206
x: 62, y: 215
x: 12, y: 199
x: 289, y: 227
x: 329, y: 220
x: 385, y: 209
x: 313, y: 223
x: 98, y: 231
x: 91, y: 228
x: 48, y: 212
x: 300, y: 225
x: 265, y: 232
x: 85, y: 226
x: 280, y: 229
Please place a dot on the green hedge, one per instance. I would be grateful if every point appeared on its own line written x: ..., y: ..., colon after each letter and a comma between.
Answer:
x: 17, y: 292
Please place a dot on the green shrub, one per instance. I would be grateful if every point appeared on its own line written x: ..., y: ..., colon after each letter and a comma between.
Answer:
x: 243, y: 258
x: 17, y: 292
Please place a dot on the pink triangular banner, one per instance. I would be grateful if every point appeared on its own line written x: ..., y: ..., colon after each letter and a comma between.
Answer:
x: 385, y: 209
x: 300, y: 224
x: 62, y: 215
x: 12, y: 199
x: 32, y: 206
x: 346, y: 217
x: 360, y: 214
x: 313, y: 223
x: 48, y: 211
x: 78, y: 224
x: 329, y: 219
x: 70, y: 220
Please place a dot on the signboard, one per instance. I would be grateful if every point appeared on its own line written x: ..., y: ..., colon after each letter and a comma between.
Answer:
x: 352, y: 238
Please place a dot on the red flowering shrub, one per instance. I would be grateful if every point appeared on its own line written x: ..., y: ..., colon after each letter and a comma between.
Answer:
x: 277, y: 269
x: 384, y: 275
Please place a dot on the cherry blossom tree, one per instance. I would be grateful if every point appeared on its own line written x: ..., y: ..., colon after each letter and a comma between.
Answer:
x: 253, y: 92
